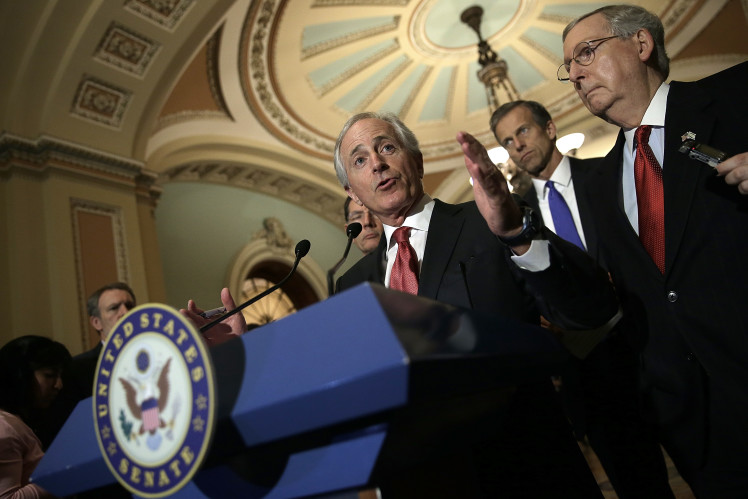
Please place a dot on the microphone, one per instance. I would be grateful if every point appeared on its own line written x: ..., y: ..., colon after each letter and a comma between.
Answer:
x: 302, y: 248
x: 352, y: 231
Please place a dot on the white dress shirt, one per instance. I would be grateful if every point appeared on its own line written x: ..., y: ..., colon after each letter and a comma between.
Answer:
x: 564, y: 184
x: 655, y: 117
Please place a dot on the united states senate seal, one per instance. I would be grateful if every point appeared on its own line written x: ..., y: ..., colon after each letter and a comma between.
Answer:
x: 154, y: 401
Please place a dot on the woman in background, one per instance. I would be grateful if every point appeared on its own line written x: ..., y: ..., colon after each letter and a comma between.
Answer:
x: 30, y: 379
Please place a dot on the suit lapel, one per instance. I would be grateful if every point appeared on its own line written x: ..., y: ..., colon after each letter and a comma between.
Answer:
x: 444, y: 232
x: 606, y: 198
x: 579, y: 175
x: 681, y: 178
x: 531, y: 197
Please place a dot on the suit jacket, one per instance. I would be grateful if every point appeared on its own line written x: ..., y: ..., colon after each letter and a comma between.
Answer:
x: 690, y: 323
x: 83, y: 371
x: 465, y: 265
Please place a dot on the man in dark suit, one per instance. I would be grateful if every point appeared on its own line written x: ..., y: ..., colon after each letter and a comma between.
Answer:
x: 491, y: 255
x: 599, y: 390
x: 105, y: 307
x: 672, y: 232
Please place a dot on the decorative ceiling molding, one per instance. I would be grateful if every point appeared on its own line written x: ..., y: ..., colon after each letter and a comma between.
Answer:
x: 676, y: 13
x: 359, y: 66
x: 259, y: 90
x: 47, y: 153
x: 100, y: 102
x: 166, y: 14
x: 214, y: 78
x: 366, y: 101
x: 338, y: 3
x: 324, y: 46
x: 126, y: 50
x: 324, y: 202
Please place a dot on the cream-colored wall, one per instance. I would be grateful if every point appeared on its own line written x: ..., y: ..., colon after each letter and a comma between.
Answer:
x: 42, y: 292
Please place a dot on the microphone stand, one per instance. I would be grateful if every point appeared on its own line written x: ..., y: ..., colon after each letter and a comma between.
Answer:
x: 302, y: 248
x: 352, y: 231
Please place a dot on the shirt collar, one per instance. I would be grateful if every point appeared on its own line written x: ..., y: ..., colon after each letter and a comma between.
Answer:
x: 418, y: 218
x: 561, y: 175
x: 653, y: 116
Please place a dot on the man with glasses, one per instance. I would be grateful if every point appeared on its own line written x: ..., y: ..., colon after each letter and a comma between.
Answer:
x: 673, y: 234
x: 599, y: 391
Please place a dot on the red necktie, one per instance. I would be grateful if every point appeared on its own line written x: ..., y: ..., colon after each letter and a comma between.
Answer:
x: 404, y: 274
x: 649, y: 198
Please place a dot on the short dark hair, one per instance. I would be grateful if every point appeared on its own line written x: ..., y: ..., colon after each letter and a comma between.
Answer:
x: 540, y: 114
x: 92, y: 304
x: 19, y: 358
x: 624, y: 21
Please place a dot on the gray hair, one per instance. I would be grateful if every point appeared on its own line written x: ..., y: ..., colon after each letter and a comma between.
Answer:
x: 624, y: 21
x: 404, y: 135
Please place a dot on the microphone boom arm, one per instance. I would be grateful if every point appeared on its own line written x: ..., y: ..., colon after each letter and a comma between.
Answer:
x: 302, y: 248
x: 353, y: 230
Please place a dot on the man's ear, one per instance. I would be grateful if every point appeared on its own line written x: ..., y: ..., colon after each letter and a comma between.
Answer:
x: 96, y: 323
x: 645, y: 43
x: 419, y: 162
x: 550, y: 129
x: 353, y: 196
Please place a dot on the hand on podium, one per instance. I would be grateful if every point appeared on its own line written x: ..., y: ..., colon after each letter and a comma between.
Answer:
x: 233, y: 326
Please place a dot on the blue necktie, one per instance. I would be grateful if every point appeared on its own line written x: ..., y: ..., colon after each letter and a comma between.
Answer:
x: 562, y: 219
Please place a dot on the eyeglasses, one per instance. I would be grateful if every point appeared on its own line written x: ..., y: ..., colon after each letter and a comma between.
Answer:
x: 585, y: 54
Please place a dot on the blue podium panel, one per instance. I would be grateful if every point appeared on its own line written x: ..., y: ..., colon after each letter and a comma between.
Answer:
x: 313, y: 403
x: 326, y: 364
x: 73, y: 462
x: 345, y: 463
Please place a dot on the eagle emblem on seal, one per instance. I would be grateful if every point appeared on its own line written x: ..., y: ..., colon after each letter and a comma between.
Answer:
x: 147, y: 395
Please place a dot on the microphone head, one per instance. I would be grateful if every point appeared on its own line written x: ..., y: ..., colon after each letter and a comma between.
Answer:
x: 302, y: 248
x: 353, y: 230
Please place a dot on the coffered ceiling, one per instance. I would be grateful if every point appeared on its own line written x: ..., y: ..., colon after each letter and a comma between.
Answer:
x: 253, y: 93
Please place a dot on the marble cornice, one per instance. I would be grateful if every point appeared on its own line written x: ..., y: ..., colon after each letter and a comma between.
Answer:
x: 317, y: 199
x: 47, y: 153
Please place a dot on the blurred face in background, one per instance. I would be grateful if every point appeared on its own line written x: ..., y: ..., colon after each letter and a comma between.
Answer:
x: 47, y: 384
x: 113, y: 305
x: 371, y: 228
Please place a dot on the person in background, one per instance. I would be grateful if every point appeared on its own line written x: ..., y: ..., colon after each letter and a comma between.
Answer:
x: 672, y: 233
x: 106, y: 306
x: 31, y: 370
x: 371, y: 228
x: 600, y: 390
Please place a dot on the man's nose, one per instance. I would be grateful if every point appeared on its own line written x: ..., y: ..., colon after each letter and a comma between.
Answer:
x: 379, y: 163
x: 368, y: 219
x: 58, y: 383
x: 576, y: 71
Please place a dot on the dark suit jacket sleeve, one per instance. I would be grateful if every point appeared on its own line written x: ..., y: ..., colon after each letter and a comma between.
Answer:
x: 574, y: 292
x: 467, y: 266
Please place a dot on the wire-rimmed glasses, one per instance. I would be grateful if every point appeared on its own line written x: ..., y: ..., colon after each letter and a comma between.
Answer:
x: 585, y: 54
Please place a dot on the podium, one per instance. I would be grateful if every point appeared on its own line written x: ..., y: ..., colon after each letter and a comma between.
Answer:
x: 331, y: 399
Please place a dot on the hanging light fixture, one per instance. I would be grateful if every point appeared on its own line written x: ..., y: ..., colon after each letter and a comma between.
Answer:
x: 494, y: 71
